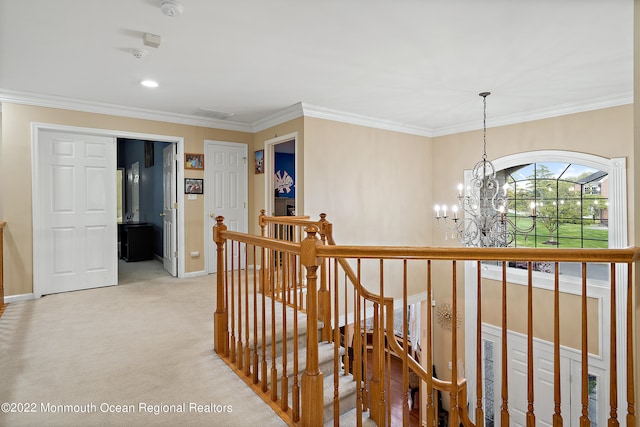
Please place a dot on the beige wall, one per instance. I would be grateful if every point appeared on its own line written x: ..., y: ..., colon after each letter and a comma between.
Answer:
x: 15, y: 179
x: 374, y: 185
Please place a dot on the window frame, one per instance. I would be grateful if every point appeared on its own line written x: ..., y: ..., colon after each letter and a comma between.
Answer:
x: 616, y: 169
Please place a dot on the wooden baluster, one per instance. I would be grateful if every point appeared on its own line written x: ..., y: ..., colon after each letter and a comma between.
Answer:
x: 375, y: 384
x: 613, y: 355
x: 346, y: 321
x: 454, y: 408
x: 256, y: 359
x: 531, y: 417
x: 336, y: 346
x: 584, y: 417
x: 232, y: 345
x: 479, y: 348
x: 295, y: 391
x: 312, y: 379
x: 557, y: 416
x: 405, y: 346
x: 220, y: 319
x: 631, y: 409
x: 263, y: 232
x: 247, y: 337
x: 274, y: 368
x: 264, y: 277
x: 234, y: 267
x: 365, y: 350
x: 431, y: 416
x: 284, y: 384
x: 504, y: 412
x: 358, y: 352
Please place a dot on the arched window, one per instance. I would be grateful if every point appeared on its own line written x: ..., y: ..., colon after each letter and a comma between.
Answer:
x: 571, y: 201
x: 580, y: 202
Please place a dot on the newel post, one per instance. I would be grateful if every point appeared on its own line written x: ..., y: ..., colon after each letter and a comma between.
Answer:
x: 312, y: 379
x: 220, y: 319
x: 324, y: 296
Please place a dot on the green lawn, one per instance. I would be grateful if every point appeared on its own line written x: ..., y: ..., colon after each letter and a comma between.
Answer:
x: 568, y: 236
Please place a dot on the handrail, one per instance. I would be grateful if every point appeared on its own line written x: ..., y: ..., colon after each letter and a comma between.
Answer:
x: 630, y: 254
x: 2, y: 303
x: 284, y: 256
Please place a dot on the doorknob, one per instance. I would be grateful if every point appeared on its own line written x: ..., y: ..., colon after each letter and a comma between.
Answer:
x: 163, y: 214
x: 212, y: 215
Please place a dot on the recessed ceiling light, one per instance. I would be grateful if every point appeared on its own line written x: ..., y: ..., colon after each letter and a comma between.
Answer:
x: 149, y: 83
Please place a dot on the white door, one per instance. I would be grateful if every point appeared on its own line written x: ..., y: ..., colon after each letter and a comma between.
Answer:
x: 169, y: 209
x: 75, y: 230
x: 543, y: 385
x: 225, y: 192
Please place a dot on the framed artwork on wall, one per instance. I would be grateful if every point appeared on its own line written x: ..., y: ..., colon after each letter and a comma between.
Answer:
x: 193, y: 186
x: 259, y: 162
x: 193, y: 161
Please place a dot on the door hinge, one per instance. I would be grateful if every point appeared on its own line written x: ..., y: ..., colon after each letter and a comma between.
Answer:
x: 175, y: 254
x: 175, y: 205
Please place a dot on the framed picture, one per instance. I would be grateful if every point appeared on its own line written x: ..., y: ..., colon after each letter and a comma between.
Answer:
x: 193, y: 161
x: 193, y: 186
x: 260, y: 161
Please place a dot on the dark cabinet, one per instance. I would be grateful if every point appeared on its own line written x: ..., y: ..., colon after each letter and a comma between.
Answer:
x: 136, y: 241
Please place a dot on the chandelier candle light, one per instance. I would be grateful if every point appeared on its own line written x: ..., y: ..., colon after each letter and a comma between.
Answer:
x: 484, y: 221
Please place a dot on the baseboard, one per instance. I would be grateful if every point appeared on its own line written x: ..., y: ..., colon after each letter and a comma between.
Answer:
x: 15, y: 298
x: 194, y: 274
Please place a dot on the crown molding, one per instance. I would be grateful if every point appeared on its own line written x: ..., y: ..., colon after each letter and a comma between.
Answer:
x: 51, y: 101
x: 301, y: 109
x: 357, y: 119
x: 543, y: 113
x: 292, y: 112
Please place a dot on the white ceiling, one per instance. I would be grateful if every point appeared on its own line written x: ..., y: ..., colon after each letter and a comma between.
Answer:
x: 414, y: 63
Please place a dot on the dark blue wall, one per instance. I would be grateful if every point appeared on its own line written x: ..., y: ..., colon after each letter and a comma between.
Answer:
x: 286, y: 162
x: 131, y: 151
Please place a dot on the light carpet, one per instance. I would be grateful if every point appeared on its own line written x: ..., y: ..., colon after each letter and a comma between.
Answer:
x: 145, y: 347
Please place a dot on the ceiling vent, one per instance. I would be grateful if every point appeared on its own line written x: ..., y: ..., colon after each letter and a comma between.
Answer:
x: 222, y: 115
x: 171, y: 7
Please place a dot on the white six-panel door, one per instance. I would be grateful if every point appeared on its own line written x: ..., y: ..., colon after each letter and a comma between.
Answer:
x: 75, y: 230
x: 226, y: 191
x: 169, y: 235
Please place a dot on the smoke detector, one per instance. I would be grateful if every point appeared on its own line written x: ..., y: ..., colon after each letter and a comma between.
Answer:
x: 171, y: 7
x: 139, y: 53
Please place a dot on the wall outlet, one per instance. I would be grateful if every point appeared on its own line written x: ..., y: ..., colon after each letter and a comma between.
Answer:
x: 195, y: 254
x: 450, y: 365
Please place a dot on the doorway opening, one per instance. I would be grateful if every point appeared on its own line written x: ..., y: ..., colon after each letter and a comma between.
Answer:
x: 282, y: 171
x: 146, y: 223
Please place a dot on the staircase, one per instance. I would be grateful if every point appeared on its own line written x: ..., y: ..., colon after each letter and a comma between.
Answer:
x: 263, y: 360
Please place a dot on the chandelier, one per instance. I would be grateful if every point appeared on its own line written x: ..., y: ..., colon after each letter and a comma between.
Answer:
x: 485, y: 220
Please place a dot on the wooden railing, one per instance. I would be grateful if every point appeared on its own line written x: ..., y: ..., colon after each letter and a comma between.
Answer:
x: 248, y: 322
x: 2, y: 303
